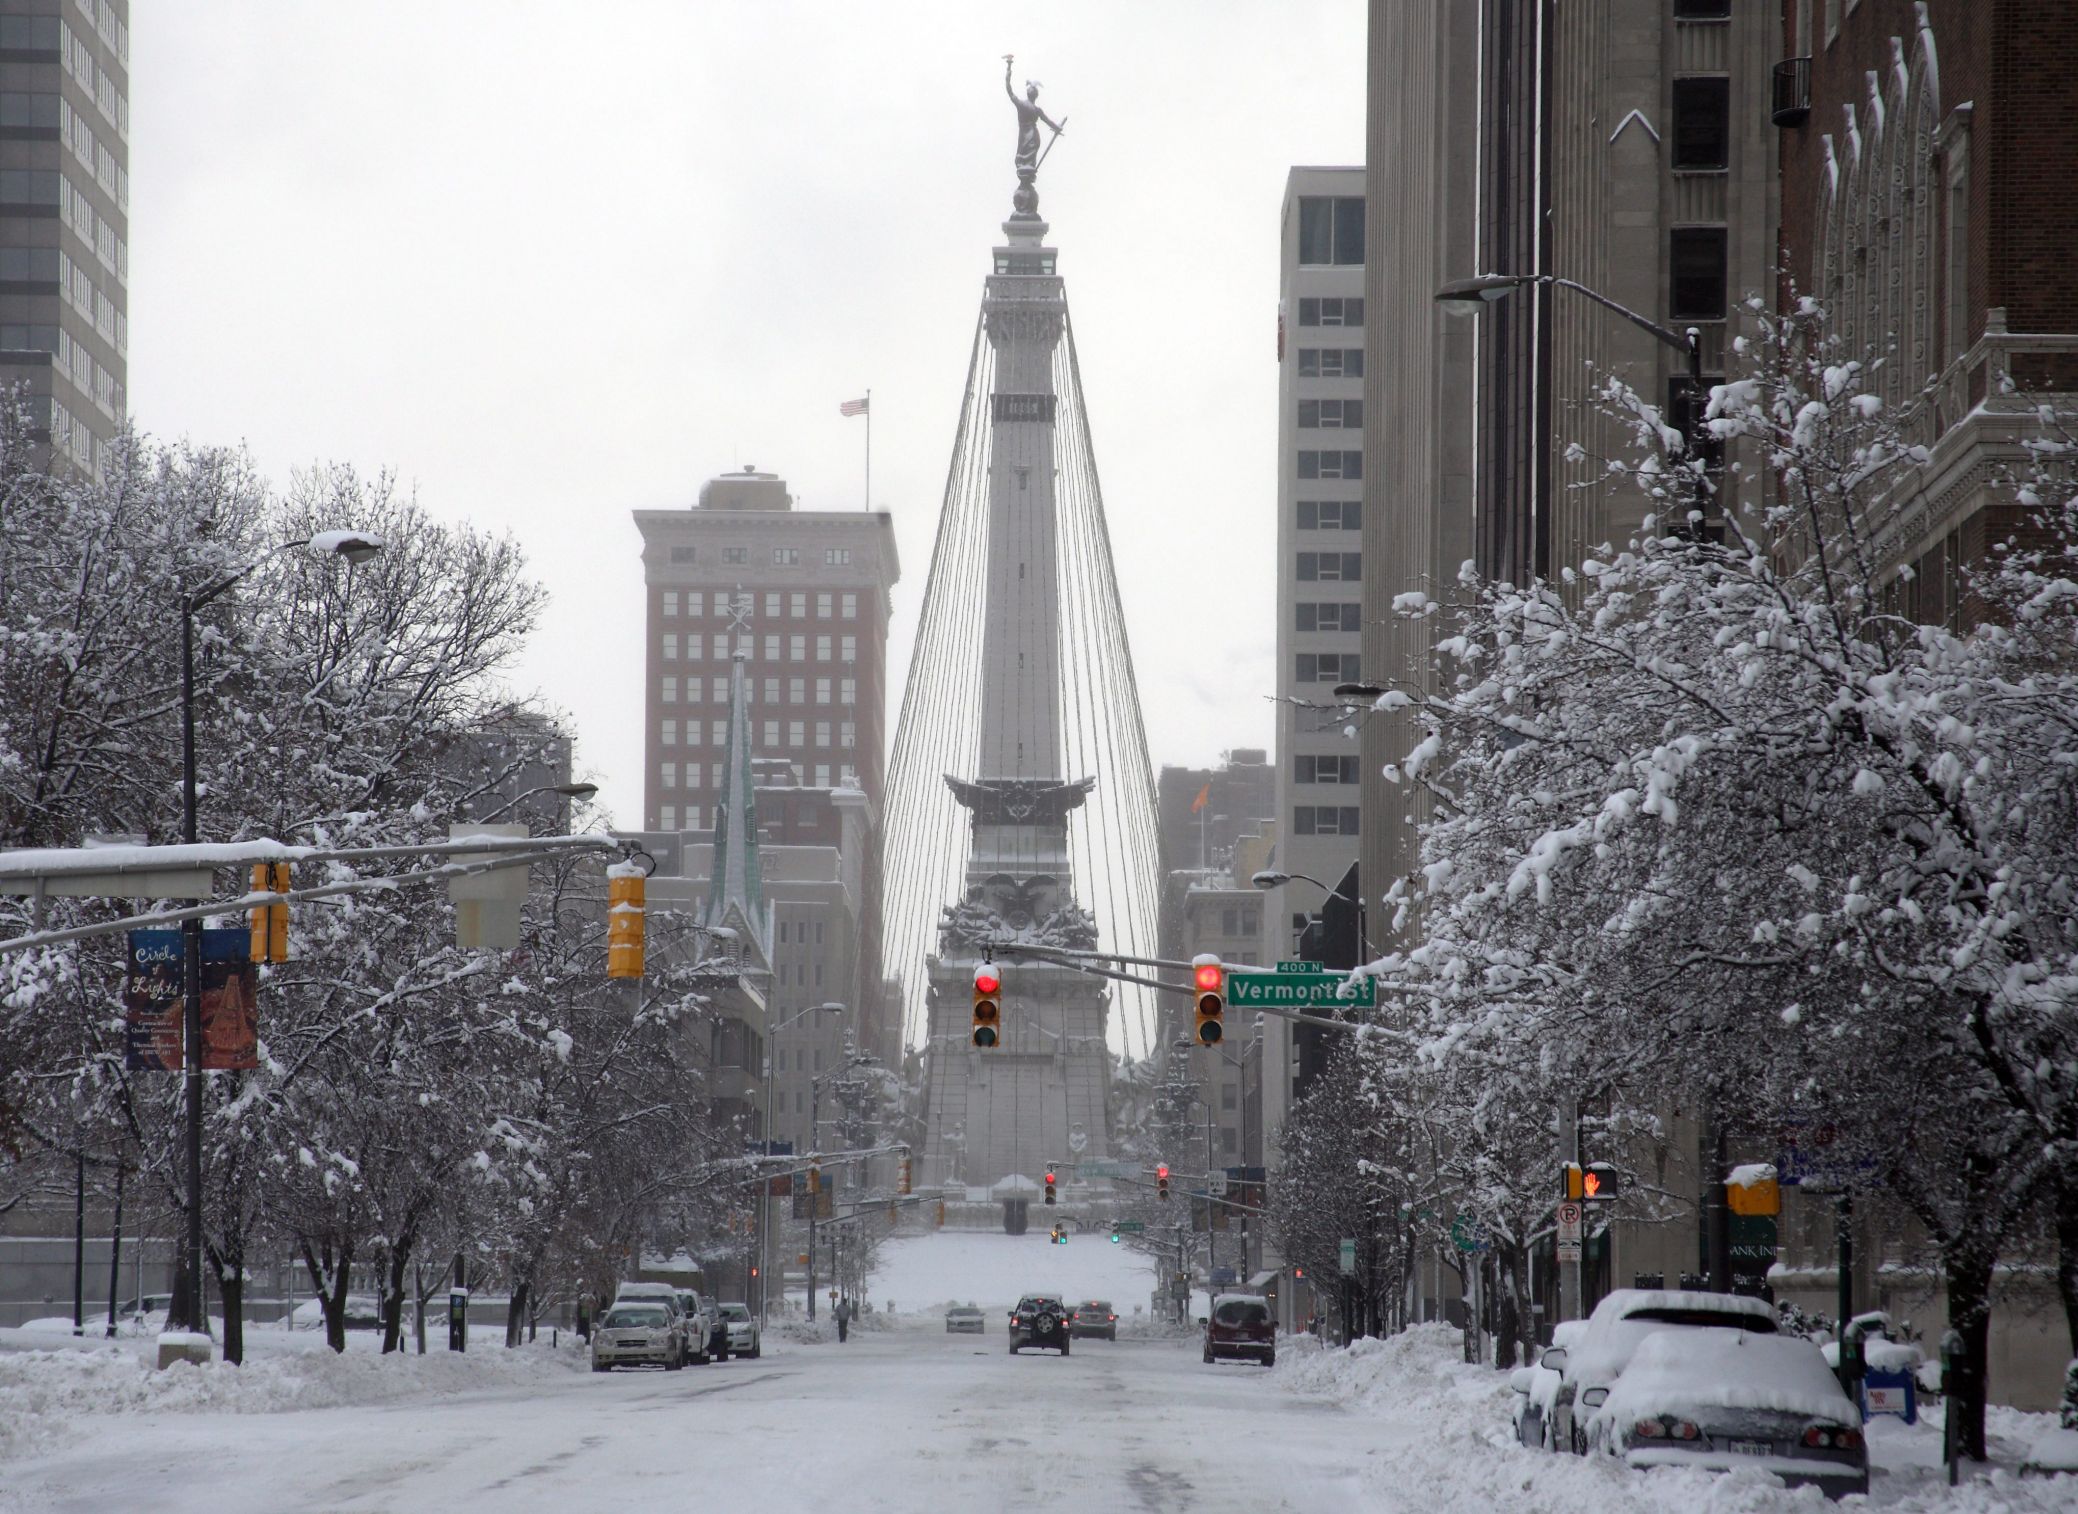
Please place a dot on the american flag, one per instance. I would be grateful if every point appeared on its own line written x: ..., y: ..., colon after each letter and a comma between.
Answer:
x: 852, y: 407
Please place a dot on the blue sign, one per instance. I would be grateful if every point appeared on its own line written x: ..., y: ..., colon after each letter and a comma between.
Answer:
x: 1893, y: 1393
x: 1222, y: 1276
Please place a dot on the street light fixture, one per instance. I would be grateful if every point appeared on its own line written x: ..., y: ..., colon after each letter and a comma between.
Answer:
x: 188, y: 1309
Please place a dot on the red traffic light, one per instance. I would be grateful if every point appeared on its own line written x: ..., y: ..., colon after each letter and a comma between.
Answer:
x: 1049, y: 1177
x: 1210, y: 976
x: 986, y: 981
x: 1162, y: 1171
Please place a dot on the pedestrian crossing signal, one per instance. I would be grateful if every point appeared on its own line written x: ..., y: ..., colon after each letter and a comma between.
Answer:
x: 1210, y: 980
x: 1597, y: 1182
x: 988, y: 1006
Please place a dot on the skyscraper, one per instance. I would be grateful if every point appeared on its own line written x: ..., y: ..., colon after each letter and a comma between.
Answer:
x: 64, y: 220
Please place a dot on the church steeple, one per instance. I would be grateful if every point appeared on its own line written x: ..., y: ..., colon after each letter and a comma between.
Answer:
x: 736, y: 895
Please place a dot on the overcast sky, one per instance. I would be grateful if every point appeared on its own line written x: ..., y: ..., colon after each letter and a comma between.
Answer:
x: 554, y: 262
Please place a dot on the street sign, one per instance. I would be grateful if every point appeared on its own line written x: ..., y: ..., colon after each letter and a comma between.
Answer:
x: 1298, y: 967
x: 1569, y: 1251
x: 1467, y: 1234
x: 1569, y: 1224
x: 1223, y: 1276
x: 1345, y: 1256
x: 1130, y: 1227
x: 1105, y: 1170
x: 1217, y: 1183
x: 1311, y: 989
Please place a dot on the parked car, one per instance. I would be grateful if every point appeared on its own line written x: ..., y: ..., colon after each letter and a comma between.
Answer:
x: 636, y: 1333
x: 1537, y: 1386
x: 706, y: 1333
x: 363, y: 1312
x: 1094, y: 1317
x: 1723, y: 1398
x: 1240, y: 1326
x: 667, y: 1296
x: 1040, y: 1319
x: 965, y: 1319
x: 744, y: 1336
x: 1621, y: 1322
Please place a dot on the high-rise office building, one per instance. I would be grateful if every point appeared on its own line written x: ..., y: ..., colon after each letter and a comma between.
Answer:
x: 64, y: 220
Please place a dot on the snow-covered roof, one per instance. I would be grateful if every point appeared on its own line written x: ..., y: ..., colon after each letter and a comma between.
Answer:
x: 1689, y: 1371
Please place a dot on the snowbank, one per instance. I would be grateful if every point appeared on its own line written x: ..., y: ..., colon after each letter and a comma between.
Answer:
x: 1450, y: 1448
x: 44, y: 1393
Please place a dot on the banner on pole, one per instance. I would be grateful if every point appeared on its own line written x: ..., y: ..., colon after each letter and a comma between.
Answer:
x: 153, y: 1009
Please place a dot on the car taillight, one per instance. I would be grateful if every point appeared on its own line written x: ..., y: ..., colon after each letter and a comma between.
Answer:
x: 1847, y: 1440
x: 1833, y: 1437
x: 1818, y: 1435
x: 1113, y: 1318
x: 1649, y: 1429
x: 1682, y: 1429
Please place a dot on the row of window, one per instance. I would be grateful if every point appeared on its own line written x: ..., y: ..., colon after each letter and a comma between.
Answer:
x: 845, y: 647
x: 52, y: 265
x: 93, y: 154
x: 1331, y: 464
x: 1328, y: 667
x: 1324, y: 820
x: 668, y: 815
x: 1330, y: 311
x: 783, y: 557
x: 1324, y: 769
x: 692, y: 603
x: 1331, y: 567
x: 109, y: 25
x: 1328, y: 615
x: 73, y: 436
x: 847, y: 733
x: 847, y: 690
x: 78, y: 212
x: 70, y: 358
x: 1331, y: 230
x: 1331, y: 515
x: 1331, y: 415
x: 1238, y: 920
x: 1331, y: 362
x: 79, y: 62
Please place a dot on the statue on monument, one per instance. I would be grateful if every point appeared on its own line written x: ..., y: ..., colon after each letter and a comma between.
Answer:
x: 1029, y: 115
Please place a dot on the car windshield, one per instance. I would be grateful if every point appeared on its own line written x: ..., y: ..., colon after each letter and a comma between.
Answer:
x: 1758, y: 1324
x: 1037, y: 1301
x: 634, y: 1319
x: 963, y: 1309
x: 735, y: 1312
x: 1240, y: 1312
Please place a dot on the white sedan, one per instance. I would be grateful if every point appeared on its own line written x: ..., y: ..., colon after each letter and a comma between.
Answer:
x: 745, y: 1339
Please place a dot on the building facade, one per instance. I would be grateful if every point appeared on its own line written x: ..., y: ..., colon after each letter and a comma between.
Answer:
x: 64, y: 221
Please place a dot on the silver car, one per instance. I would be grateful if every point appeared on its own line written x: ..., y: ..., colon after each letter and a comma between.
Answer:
x: 635, y: 1335
x: 965, y: 1319
x: 744, y: 1336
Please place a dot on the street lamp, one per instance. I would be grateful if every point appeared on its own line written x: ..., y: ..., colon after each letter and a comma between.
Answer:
x: 764, y: 1185
x: 1270, y: 878
x: 187, y: 1310
x: 1468, y: 296
x: 815, y: 1094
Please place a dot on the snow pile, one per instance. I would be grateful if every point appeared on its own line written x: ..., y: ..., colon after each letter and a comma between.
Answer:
x: 43, y: 1394
x: 1440, y: 1440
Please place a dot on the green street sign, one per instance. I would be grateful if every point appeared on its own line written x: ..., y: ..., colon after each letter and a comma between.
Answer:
x: 1299, y: 990
x: 1298, y: 967
x: 1104, y: 1170
x: 1129, y: 1227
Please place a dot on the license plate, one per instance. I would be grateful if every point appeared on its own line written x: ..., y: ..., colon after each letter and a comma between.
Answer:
x: 1751, y: 1447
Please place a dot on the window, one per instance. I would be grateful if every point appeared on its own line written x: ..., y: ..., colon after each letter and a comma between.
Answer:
x: 667, y: 733
x: 736, y: 554
x: 1324, y: 820
x: 822, y: 781
x: 1956, y: 255
x: 822, y: 691
x: 720, y: 732
x: 670, y: 775
x: 1328, y: 667
x: 847, y: 691
x: 786, y: 557
x: 1331, y: 415
x: 1329, y: 615
x: 22, y: 186
x: 670, y: 688
x: 771, y: 646
x: 669, y: 821
x: 1331, y: 229
x: 1229, y: 1098
x: 772, y: 691
x: 1324, y: 769
x: 836, y: 557
x: 847, y: 735
x: 847, y: 649
x: 797, y: 648
x: 1331, y: 362
x: 797, y: 733
x: 1351, y: 464
x: 771, y: 734
x: 1344, y: 567
x: 797, y: 691
x: 822, y: 733
x: 1331, y: 312
x: 1331, y: 515
x: 822, y: 606
x: 696, y: 603
x: 1696, y: 273
x: 671, y: 604
x: 1703, y: 10
x: 797, y: 605
x: 771, y: 604
x: 848, y: 606
x: 1227, y: 1141
x: 693, y: 770
x: 681, y: 555
x: 670, y: 646
x: 822, y: 649
x: 718, y: 646
x: 1702, y: 124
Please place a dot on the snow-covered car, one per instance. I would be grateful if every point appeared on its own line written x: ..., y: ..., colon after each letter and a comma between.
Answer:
x: 745, y: 1339
x: 1537, y: 1386
x: 1094, y: 1317
x: 1040, y: 1319
x: 1240, y: 1326
x: 1621, y: 1322
x: 638, y: 1333
x: 363, y: 1312
x: 668, y: 1297
x: 1724, y: 1398
x: 965, y: 1319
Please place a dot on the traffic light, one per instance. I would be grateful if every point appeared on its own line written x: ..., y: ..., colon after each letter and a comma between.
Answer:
x: 624, y: 888
x: 270, y: 922
x: 988, y: 1006
x: 905, y: 1186
x: 1210, y: 980
x: 1114, y: 1232
x: 1049, y: 1185
x: 1595, y: 1183
x: 1059, y: 1236
x: 815, y: 1179
x: 1161, y: 1181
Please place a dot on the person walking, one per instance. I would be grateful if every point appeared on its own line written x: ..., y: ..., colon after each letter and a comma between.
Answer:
x: 843, y: 1320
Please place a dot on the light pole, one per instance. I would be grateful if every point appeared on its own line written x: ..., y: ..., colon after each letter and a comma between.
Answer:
x: 1270, y: 878
x: 815, y: 1094
x: 764, y: 1182
x: 1468, y: 296
x: 188, y: 1310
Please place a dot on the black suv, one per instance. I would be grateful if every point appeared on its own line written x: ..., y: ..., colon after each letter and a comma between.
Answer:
x: 1040, y: 1319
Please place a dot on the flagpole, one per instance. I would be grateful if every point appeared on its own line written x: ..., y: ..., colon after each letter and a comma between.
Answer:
x: 869, y: 449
